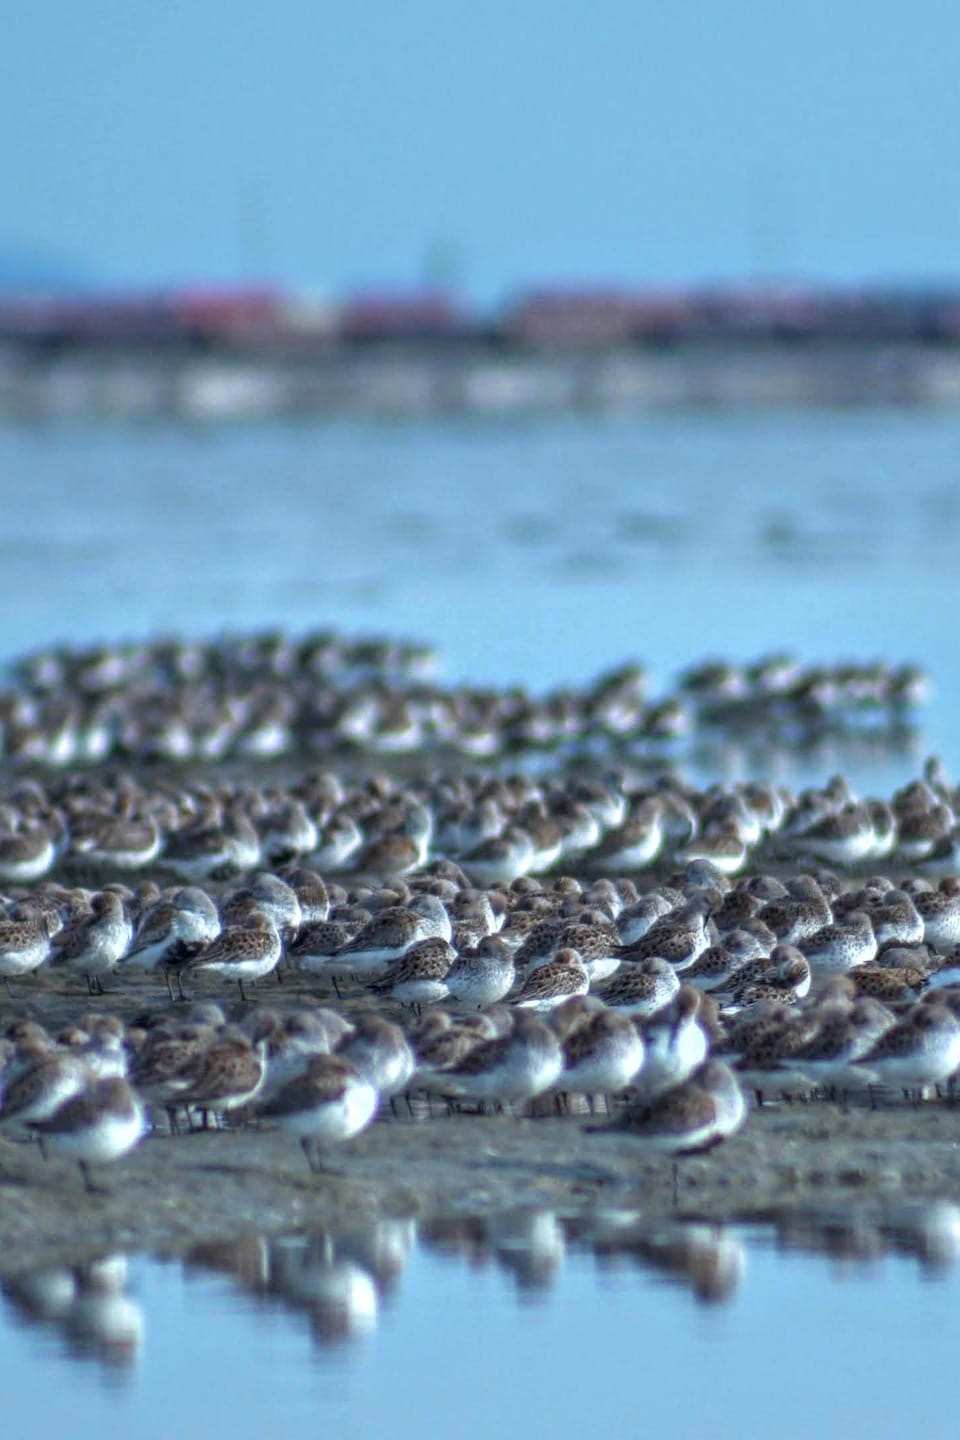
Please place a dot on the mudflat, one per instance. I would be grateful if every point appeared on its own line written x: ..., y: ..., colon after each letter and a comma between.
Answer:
x: 175, y: 1191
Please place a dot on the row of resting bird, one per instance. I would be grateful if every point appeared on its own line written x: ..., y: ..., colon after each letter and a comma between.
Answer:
x: 668, y: 1002
x: 496, y: 827
x: 265, y: 696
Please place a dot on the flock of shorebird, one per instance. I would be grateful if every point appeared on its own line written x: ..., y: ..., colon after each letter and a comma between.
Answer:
x: 267, y: 696
x: 477, y: 936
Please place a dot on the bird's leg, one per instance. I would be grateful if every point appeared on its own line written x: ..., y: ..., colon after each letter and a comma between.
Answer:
x: 88, y: 1184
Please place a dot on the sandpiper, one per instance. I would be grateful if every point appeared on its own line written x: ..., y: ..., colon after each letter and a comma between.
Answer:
x: 174, y: 927
x: 675, y: 1044
x: 24, y: 944
x: 102, y: 1123
x: 229, y: 1074
x: 551, y: 984
x: 800, y: 914
x: 717, y: 967
x: 27, y: 855
x: 241, y: 952
x: 513, y: 1067
x: 380, y: 1052
x: 130, y: 843
x: 896, y: 919
x: 484, y: 975
x: 736, y: 906
x: 635, y: 920
x: 339, y: 840
x: 940, y: 911
x: 419, y: 976
x: 598, y: 946
x: 291, y: 1045
x: 443, y: 1047
x: 501, y: 859
x: 842, y: 945
x: 635, y: 844
x: 679, y: 937
x: 601, y: 1055
x: 168, y: 1064
x: 844, y: 837
x: 922, y: 1049
x: 331, y: 1102
x: 318, y: 943
x: 392, y: 933
x: 844, y: 1036
x: 94, y: 946
x: 786, y: 978
x: 706, y: 1108
x: 38, y: 1090
x: 724, y: 846
x: 640, y: 987
x: 312, y: 894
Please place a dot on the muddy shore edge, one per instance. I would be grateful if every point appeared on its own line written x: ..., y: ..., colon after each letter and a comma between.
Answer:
x: 176, y: 1192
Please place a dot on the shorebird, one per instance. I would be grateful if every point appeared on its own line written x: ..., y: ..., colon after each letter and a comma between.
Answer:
x: 551, y: 984
x: 101, y: 1124
x: 419, y: 975
x: 512, y: 1068
x: 175, y: 927
x: 331, y: 1102
x: 242, y: 952
x: 229, y: 1074
x: 93, y: 947
x: 640, y: 987
x: 692, y: 1117
x: 601, y: 1055
x: 484, y: 975
x: 675, y: 1043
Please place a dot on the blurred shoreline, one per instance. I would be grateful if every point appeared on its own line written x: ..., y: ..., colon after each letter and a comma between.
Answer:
x: 414, y: 379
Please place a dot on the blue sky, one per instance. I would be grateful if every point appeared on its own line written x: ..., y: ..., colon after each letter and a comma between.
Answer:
x: 333, y: 145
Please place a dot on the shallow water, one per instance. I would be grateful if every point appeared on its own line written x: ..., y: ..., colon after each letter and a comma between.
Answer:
x: 473, y: 1324
x: 537, y: 553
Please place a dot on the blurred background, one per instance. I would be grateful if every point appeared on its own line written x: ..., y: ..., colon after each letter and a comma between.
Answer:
x: 553, y: 337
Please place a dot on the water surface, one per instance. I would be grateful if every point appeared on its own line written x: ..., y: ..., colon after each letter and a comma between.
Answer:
x: 537, y: 553
x: 569, y: 1325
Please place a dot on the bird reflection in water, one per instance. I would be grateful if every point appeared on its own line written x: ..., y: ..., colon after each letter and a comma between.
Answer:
x: 339, y: 1283
x: 86, y: 1306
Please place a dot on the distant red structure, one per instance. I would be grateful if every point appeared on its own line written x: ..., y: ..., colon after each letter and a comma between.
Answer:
x: 228, y: 313
x: 571, y: 318
x: 779, y: 312
x: 557, y: 318
x: 401, y: 315
x: 215, y: 314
